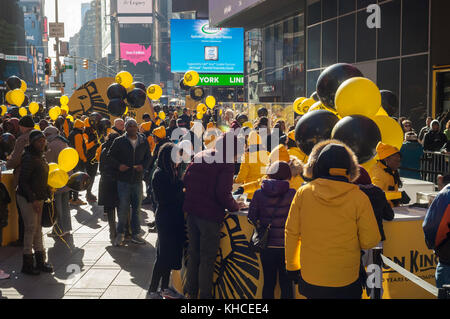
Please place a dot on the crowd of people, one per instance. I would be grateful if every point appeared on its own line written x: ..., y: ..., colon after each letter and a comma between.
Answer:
x: 321, y: 211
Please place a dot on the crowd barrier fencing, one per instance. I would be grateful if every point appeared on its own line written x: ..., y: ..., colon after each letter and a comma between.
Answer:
x: 433, y: 164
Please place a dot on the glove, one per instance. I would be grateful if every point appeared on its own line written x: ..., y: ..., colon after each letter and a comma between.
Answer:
x: 405, y: 198
x: 294, y: 276
x: 239, y: 191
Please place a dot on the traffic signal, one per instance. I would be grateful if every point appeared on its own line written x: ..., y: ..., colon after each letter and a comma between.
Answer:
x: 85, y: 64
x: 48, y: 66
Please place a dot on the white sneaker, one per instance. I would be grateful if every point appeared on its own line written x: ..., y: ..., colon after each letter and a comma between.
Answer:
x: 154, y: 295
x: 171, y: 293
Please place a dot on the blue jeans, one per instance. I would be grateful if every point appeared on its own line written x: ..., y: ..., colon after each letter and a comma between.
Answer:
x: 129, y: 194
x: 442, y: 275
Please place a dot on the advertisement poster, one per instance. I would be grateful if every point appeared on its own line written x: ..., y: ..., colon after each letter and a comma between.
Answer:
x: 134, y: 6
x: 196, y: 46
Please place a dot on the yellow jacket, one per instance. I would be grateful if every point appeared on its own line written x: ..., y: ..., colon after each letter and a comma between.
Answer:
x: 328, y: 224
x: 385, y: 181
x: 253, y: 167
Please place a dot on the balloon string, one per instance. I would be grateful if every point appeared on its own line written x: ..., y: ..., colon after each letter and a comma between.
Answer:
x: 52, y: 217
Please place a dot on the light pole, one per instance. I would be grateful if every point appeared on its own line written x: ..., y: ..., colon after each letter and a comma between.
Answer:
x: 57, y: 44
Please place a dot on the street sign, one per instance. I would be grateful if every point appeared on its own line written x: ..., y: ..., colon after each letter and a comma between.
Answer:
x: 56, y: 30
x: 57, y: 85
x: 64, y: 48
x: 221, y: 80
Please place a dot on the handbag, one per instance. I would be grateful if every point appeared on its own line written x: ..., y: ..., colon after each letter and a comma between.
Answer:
x: 49, y: 213
x: 260, y: 236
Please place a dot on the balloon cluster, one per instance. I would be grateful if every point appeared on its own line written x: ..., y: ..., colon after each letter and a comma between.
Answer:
x: 352, y: 109
x: 15, y: 96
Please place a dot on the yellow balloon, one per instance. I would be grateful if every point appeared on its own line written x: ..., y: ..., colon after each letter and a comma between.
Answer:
x: 306, y: 104
x: 124, y: 78
x: 70, y: 117
x: 67, y: 159
x: 34, y: 108
x: 65, y: 107
x: 23, y: 111
x: 64, y: 100
x: 358, y: 96
x: 199, y: 116
x: 201, y: 108
x: 23, y: 86
x: 162, y: 115
x: 297, y: 104
x: 8, y: 97
x: 37, y: 127
x: 17, y: 97
x: 154, y: 92
x: 58, y: 178
x: 211, y: 101
x: 54, y: 112
x: 382, y: 112
x: 191, y: 78
x: 52, y: 167
x: 317, y: 106
x: 126, y: 111
x: 4, y: 109
x: 391, y: 131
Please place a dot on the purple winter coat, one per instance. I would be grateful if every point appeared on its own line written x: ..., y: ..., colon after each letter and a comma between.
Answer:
x: 272, y: 202
x: 208, y: 187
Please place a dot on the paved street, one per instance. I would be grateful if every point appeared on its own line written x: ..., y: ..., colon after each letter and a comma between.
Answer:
x: 92, y: 268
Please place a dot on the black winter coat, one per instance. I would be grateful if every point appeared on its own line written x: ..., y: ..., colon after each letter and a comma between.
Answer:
x: 122, y: 152
x: 271, y: 204
x: 380, y: 205
x: 169, y: 218
x: 33, y: 177
x: 107, y: 188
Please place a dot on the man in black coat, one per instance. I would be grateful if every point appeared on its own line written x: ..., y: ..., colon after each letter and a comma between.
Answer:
x: 130, y: 156
x: 434, y: 139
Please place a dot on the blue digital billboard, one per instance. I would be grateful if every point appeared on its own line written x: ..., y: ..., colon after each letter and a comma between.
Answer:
x: 196, y: 46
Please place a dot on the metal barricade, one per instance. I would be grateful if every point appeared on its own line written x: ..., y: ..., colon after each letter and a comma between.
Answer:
x: 433, y: 164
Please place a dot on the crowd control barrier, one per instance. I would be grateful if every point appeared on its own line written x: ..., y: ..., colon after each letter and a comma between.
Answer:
x: 433, y: 164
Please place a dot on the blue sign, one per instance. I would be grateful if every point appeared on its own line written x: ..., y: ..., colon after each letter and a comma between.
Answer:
x: 196, y: 46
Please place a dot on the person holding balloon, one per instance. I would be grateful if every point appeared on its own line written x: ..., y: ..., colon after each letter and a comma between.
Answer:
x: 32, y: 191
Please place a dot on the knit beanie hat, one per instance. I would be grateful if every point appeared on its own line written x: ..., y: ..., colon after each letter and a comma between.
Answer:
x: 364, y: 177
x: 26, y: 121
x: 386, y: 150
x: 280, y: 171
x: 35, y: 135
x: 160, y: 132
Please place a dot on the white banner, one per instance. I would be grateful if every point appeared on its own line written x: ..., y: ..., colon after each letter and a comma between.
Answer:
x: 134, y: 6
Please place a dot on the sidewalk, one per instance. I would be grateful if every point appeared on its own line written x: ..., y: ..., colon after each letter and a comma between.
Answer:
x: 91, y: 269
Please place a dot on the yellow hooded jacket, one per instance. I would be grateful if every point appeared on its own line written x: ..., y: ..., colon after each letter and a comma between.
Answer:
x: 385, y: 181
x: 328, y: 224
x: 252, y: 168
x: 79, y: 141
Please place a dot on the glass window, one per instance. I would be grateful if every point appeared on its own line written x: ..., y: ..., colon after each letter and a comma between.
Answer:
x: 346, y: 6
x: 314, y: 47
x: 278, y: 34
x: 389, y: 33
x: 388, y: 75
x: 366, y: 39
x: 312, y: 77
x: 362, y: 4
x: 269, y: 55
x: 329, y: 9
x: 314, y: 11
x: 415, y: 27
x: 414, y: 88
x: 329, y: 43
x: 346, y: 39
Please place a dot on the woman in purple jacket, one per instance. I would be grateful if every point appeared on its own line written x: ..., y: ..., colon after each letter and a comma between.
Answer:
x: 270, y: 205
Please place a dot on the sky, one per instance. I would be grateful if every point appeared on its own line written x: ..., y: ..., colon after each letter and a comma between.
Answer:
x: 69, y: 12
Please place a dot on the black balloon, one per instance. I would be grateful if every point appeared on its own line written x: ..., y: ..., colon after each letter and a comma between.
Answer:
x: 184, y: 86
x: 360, y: 133
x: 136, y: 98
x: 26, y: 101
x: 116, y: 91
x: 330, y: 80
x: 314, y: 127
x: 116, y: 107
x: 14, y: 112
x: 139, y: 85
x: 389, y: 102
x: 79, y: 181
x: 13, y: 82
x: 315, y: 97
x: 197, y: 93
x: 7, y: 142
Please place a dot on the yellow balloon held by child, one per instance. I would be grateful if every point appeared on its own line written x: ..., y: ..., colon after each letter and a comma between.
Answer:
x: 124, y: 78
x: 67, y: 159
x: 154, y: 92
x: 58, y: 178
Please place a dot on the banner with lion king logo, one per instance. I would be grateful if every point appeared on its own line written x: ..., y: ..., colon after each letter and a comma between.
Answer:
x: 92, y: 97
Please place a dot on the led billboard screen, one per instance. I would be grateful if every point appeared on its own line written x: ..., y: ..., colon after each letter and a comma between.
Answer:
x: 196, y: 46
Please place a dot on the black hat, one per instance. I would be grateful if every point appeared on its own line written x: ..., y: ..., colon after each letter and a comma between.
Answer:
x: 26, y: 121
x: 35, y: 135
